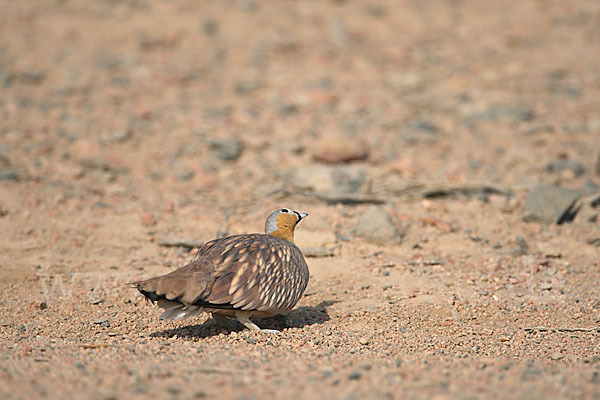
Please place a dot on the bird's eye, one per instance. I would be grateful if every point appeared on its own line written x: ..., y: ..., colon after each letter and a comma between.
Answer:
x: 285, y: 210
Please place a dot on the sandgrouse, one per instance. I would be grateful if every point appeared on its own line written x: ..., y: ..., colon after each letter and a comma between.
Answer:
x: 241, y: 276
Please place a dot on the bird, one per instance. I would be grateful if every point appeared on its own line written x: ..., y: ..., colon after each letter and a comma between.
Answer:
x: 241, y: 276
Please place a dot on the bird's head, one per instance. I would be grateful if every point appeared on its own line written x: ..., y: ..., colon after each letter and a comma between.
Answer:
x: 281, y: 223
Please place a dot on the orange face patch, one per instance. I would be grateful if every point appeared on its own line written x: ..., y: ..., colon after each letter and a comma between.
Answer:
x: 286, y: 223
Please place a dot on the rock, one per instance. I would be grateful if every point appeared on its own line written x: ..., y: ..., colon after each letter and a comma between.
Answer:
x: 591, y: 360
x: 557, y: 355
x: 40, y: 305
x: 148, y: 219
x: 522, y: 245
x: 558, y: 166
x: 210, y: 27
x: 586, y: 214
x: 30, y: 77
x: 510, y: 113
x: 343, y: 237
x: 337, y: 149
x: 316, y: 244
x: 549, y: 250
x: 594, y: 241
x: 420, y: 130
x: 587, y: 209
x: 342, y: 179
x: 121, y: 135
x: 5, y: 162
x: 348, y: 179
x: 590, y: 188
x: 248, y: 87
x: 375, y: 11
x: 549, y: 204
x: 173, y: 389
x: 316, y: 178
x: 355, y: 375
x: 375, y: 225
x: 175, y: 241
x: 594, y: 200
x: 285, y: 108
x: 405, y: 81
x: 218, y: 112
x: 8, y: 175
x: 186, y: 176
x: 227, y: 149
x: 318, y: 252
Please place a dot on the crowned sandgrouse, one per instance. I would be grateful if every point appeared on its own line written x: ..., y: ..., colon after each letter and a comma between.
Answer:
x: 242, y: 276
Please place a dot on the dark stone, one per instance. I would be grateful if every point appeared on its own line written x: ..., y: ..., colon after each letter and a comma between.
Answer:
x: 503, y: 112
x: 210, y: 27
x: 355, y: 375
x: 348, y: 179
x: 376, y: 226
x: 248, y: 87
x: 549, y: 204
x: 376, y: 11
x: 8, y: 175
x: 186, y: 176
x: 227, y: 149
x: 522, y: 245
x: 590, y: 187
x: 557, y: 166
x: 420, y: 130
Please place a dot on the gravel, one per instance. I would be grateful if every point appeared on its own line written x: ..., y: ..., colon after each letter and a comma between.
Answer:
x: 191, y: 121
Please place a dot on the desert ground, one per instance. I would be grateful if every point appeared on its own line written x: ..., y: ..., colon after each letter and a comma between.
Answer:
x: 447, y: 153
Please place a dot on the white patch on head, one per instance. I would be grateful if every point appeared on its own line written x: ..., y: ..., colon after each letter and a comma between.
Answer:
x: 271, y: 225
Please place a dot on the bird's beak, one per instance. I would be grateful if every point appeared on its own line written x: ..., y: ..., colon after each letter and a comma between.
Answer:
x: 301, y: 215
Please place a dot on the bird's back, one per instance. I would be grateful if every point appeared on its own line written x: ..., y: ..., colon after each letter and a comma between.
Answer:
x: 242, y: 272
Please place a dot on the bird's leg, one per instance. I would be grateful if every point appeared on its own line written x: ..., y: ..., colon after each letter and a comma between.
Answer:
x: 245, y: 320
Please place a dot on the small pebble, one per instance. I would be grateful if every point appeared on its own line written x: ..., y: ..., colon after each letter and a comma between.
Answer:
x: 355, y: 375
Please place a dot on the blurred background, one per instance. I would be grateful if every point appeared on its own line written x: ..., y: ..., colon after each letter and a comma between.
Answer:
x: 183, y: 102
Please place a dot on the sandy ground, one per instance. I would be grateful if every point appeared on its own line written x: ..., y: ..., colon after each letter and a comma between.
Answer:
x: 127, y: 122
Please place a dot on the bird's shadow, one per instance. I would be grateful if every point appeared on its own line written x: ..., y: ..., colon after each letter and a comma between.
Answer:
x: 297, y: 318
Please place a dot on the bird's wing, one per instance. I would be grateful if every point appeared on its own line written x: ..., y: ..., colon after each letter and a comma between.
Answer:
x: 258, y: 272
x: 205, y: 249
x: 189, y: 283
x: 243, y: 272
x: 183, y: 285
